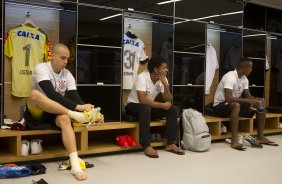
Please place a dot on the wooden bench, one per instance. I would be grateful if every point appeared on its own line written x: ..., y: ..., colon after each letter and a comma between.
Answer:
x: 246, y: 125
x: 90, y: 140
x: 101, y: 138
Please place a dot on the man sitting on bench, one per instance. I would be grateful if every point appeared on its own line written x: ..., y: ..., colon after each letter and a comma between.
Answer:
x: 54, y: 100
x: 233, y: 99
x: 141, y: 104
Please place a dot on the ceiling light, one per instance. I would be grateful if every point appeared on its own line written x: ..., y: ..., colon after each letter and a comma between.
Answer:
x: 216, y: 29
x: 272, y: 37
x: 109, y: 17
x: 211, y: 16
x: 254, y: 35
x: 232, y: 13
x: 165, y: 2
x: 179, y: 22
x: 206, y: 17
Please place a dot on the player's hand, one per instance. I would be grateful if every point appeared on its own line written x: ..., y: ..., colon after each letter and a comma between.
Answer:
x: 84, y: 107
x: 166, y: 105
x: 254, y: 102
x: 261, y: 100
x: 158, y: 75
x: 162, y: 78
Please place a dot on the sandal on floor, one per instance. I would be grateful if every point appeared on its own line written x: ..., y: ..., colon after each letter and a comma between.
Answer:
x: 176, y: 152
x: 151, y: 156
x: 239, y: 147
x: 153, y: 153
x: 268, y: 142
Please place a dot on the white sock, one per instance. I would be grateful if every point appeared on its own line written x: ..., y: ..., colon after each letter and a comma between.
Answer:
x: 78, y: 116
x: 75, y: 167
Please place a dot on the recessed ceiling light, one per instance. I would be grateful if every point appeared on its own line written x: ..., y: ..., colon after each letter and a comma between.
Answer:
x: 165, y: 2
x: 109, y: 17
x: 254, y: 35
x: 206, y: 17
x: 232, y: 13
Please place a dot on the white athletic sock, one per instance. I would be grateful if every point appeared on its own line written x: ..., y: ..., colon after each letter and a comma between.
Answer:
x: 78, y: 116
x: 75, y: 167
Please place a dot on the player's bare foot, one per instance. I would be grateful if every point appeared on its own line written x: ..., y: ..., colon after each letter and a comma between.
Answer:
x: 80, y: 175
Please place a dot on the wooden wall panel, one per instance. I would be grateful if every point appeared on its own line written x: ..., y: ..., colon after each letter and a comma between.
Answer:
x: 44, y: 18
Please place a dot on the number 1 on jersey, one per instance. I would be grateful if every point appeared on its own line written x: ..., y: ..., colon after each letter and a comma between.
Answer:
x: 27, y: 53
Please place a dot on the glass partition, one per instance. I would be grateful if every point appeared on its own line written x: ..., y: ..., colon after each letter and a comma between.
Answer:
x: 230, y: 40
x: 215, y: 11
x: 99, y: 46
x: 189, y: 36
x: 162, y: 7
x: 254, y: 44
x: 254, y: 16
x: 98, y: 26
x: 274, y: 20
x: 106, y: 97
x: 276, y: 69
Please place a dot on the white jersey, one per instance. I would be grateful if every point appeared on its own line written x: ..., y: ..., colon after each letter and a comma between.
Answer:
x: 62, y: 82
x: 144, y: 83
x: 230, y: 81
x: 211, y: 66
x: 133, y: 53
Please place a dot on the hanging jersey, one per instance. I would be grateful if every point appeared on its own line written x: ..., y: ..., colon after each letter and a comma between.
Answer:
x: 211, y: 66
x: 133, y: 53
x: 27, y: 47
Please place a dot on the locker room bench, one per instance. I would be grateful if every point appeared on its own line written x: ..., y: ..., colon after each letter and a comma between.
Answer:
x: 90, y: 140
x: 101, y: 138
x: 246, y: 125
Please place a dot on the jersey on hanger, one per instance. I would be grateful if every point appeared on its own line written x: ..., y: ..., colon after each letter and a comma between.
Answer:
x: 133, y: 53
x: 27, y: 46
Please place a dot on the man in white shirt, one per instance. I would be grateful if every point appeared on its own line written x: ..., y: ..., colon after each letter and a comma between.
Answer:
x: 48, y: 104
x: 229, y: 102
x: 141, y: 104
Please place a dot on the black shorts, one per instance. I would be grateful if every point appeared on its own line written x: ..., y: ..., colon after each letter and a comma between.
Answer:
x: 223, y: 110
x: 47, y: 121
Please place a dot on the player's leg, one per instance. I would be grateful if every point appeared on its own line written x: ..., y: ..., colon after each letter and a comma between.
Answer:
x: 37, y: 100
x: 69, y: 141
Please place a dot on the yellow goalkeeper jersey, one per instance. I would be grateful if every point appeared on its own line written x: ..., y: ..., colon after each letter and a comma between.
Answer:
x: 27, y: 46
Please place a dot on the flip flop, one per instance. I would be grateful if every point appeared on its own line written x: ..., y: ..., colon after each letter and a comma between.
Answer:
x: 270, y: 143
x: 267, y: 142
x: 176, y: 152
x: 239, y: 147
x: 151, y: 156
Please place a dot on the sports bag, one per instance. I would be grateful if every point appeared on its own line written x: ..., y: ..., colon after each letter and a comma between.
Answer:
x: 196, y: 136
